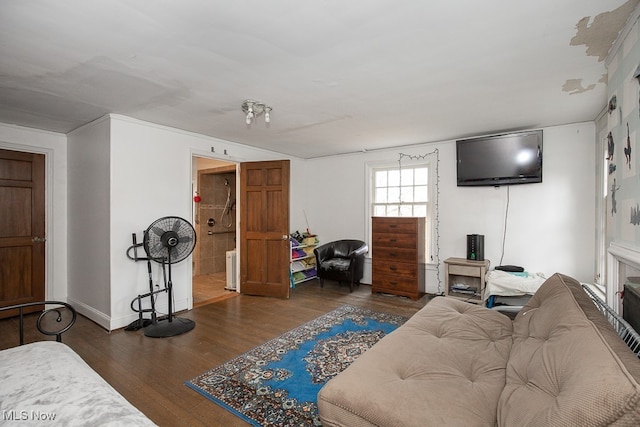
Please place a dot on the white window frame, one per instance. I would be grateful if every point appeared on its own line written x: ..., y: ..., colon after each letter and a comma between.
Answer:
x: 430, y: 222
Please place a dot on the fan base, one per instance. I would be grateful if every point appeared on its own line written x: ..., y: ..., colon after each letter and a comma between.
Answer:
x: 165, y: 328
x: 138, y: 324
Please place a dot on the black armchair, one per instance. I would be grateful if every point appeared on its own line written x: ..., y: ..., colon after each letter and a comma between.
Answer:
x: 342, y: 261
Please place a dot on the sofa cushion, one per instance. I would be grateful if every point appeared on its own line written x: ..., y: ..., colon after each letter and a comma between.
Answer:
x: 562, y: 370
x: 339, y: 264
x: 444, y: 366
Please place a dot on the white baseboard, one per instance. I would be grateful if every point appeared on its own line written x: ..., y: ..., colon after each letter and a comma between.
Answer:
x: 87, y: 311
x: 111, y: 323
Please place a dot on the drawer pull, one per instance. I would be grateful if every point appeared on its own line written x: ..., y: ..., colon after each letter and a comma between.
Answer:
x: 392, y: 240
x: 393, y: 283
x: 393, y: 254
x: 393, y: 268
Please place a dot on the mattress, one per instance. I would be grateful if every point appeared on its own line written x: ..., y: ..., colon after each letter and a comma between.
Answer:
x: 48, y: 382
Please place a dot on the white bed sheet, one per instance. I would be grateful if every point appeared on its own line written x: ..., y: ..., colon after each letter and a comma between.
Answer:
x: 47, y: 383
x: 501, y: 283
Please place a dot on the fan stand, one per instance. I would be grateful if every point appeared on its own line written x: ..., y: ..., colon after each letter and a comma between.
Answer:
x: 167, y: 327
x: 142, y: 322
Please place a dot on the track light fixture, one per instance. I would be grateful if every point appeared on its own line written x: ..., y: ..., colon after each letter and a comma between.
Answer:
x: 254, y: 108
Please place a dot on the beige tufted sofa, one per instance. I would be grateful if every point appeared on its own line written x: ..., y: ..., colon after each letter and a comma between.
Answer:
x: 558, y: 363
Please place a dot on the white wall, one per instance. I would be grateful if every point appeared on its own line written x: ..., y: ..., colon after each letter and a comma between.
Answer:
x: 550, y: 225
x: 150, y: 175
x: 54, y: 147
x: 88, y: 226
x: 144, y: 172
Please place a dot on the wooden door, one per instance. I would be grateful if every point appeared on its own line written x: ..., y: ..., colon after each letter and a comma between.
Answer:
x: 22, y: 227
x: 264, y: 228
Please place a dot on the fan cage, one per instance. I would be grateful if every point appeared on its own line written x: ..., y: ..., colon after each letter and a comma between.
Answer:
x: 169, y: 234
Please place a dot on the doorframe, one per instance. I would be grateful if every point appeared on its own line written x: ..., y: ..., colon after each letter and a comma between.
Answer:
x: 49, y: 283
x: 226, y: 159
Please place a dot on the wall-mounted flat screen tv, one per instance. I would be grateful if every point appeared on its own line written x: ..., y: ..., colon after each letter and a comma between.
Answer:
x: 514, y: 158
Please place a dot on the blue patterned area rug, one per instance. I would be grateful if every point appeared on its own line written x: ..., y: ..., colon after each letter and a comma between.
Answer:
x: 276, y: 384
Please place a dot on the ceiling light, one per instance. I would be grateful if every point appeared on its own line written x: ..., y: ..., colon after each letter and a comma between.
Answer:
x: 254, y: 108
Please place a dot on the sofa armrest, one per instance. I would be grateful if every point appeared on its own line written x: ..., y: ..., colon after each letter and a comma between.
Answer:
x: 361, y: 251
x: 567, y: 365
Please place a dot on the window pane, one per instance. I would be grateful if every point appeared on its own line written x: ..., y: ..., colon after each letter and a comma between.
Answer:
x: 393, y: 210
x: 421, y: 193
x: 406, y: 210
x: 407, y: 177
x: 381, y: 195
x: 394, y: 178
x: 407, y: 194
x: 421, y: 176
x: 381, y: 178
x: 420, y: 210
x: 393, y: 194
x: 379, y: 210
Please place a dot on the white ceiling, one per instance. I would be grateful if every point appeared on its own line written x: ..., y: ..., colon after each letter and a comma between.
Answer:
x: 341, y: 76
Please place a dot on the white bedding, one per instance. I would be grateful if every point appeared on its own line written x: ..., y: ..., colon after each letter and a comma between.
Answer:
x: 500, y: 283
x: 47, y: 383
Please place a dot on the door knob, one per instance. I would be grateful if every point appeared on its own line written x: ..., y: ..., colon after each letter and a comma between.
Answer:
x: 39, y: 239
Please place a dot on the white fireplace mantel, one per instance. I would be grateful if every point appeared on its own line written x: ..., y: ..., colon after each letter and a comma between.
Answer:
x: 623, y: 259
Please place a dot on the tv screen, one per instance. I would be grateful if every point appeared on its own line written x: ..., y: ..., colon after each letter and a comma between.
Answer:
x: 514, y: 158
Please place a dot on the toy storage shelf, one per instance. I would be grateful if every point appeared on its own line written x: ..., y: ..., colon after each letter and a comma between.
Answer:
x: 303, y: 260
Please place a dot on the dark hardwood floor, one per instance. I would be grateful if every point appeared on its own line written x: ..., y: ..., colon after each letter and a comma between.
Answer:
x: 150, y: 372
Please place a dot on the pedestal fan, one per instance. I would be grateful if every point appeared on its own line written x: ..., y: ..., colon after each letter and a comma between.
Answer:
x: 169, y: 240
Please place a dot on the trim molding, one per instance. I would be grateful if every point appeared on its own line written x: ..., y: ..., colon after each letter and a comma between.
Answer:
x: 619, y: 254
x: 91, y: 313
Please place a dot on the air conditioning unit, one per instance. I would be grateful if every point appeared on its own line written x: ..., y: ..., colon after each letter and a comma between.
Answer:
x: 231, y: 270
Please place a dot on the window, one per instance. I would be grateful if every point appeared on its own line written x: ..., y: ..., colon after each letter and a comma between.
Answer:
x: 403, y: 191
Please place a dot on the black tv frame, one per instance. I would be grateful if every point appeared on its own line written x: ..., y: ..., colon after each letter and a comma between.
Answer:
x: 484, y: 146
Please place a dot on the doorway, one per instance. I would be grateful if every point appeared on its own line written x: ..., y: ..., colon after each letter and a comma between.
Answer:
x: 22, y: 229
x: 214, y: 211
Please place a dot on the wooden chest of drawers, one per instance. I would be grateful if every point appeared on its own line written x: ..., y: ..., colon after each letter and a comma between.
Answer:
x: 397, y: 252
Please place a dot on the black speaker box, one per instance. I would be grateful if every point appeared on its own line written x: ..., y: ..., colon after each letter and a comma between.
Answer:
x: 475, y: 247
